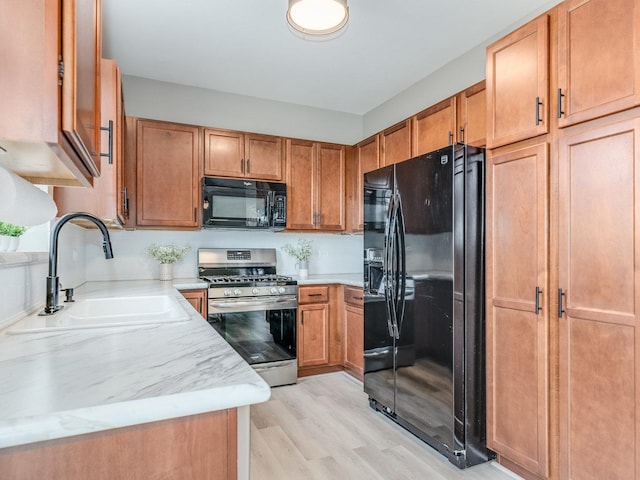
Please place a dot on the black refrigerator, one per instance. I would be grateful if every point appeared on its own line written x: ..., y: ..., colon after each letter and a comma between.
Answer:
x: 424, y: 339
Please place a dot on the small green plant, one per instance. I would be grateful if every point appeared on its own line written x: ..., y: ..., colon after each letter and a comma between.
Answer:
x: 11, y: 230
x: 167, y: 253
x: 301, y: 252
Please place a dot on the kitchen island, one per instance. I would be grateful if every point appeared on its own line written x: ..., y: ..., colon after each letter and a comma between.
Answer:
x: 61, y: 390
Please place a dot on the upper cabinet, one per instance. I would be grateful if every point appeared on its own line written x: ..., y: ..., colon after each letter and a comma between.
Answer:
x: 108, y: 199
x: 434, y: 127
x: 598, y: 58
x: 472, y: 115
x: 395, y: 143
x: 316, y: 185
x: 168, y: 174
x: 367, y: 159
x: 49, y: 90
x: 517, y: 84
x: 236, y: 154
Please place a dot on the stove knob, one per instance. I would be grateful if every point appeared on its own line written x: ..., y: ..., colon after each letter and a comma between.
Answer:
x: 274, y: 290
x: 227, y: 292
x: 254, y: 291
x: 237, y: 291
x: 281, y: 290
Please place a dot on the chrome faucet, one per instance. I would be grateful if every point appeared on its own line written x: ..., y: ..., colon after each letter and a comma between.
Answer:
x: 53, y: 284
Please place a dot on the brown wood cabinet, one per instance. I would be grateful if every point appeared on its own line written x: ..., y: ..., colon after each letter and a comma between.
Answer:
x: 50, y: 90
x: 316, y: 186
x: 395, y: 143
x: 471, y: 118
x: 168, y: 158
x: 198, y: 299
x: 599, y: 244
x: 237, y: 154
x: 108, y: 197
x: 518, y: 83
x: 193, y: 447
x: 434, y: 127
x: 353, y: 315
x: 598, y: 58
x: 366, y: 159
x: 517, y: 289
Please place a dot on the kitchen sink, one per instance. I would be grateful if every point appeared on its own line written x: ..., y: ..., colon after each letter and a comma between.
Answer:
x: 107, y: 312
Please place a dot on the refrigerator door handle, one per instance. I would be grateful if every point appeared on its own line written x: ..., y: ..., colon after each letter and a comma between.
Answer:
x: 402, y: 287
x: 393, y: 283
x: 386, y: 266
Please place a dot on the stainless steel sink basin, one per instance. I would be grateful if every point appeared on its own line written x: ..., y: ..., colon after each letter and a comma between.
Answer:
x: 107, y: 312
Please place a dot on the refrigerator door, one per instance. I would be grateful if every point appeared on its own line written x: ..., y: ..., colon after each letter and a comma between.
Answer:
x: 378, y: 342
x: 424, y: 350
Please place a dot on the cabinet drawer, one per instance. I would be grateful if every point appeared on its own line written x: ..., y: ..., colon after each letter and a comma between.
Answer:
x: 353, y: 296
x: 313, y: 294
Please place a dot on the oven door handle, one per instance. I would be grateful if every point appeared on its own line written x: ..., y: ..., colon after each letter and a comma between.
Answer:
x: 257, y: 305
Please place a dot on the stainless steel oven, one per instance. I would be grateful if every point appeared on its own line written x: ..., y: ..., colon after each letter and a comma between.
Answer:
x: 253, y: 309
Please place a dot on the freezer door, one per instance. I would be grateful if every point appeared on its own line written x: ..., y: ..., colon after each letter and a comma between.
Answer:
x: 424, y: 349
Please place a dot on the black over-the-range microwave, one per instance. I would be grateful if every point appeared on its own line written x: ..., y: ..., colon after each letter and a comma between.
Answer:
x: 231, y: 203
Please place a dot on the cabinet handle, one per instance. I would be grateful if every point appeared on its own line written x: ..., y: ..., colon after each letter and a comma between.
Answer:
x: 248, y: 165
x: 560, y: 309
x: 242, y: 165
x: 302, y: 318
x: 461, y: 136
x: 450, y: 138
x: 110, y: 153
x: 314, y: 295
x: 538, y: 105
x: 538, y: 293
x: 195, y: 214
x: 125, y: 202
x: 358, y: 298
x: 560, y: 97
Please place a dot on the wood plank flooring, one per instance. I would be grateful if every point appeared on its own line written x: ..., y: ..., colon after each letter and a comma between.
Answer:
x: 322, y: 428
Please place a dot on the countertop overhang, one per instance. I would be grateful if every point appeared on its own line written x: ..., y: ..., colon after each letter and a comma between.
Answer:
x: 66, y: 383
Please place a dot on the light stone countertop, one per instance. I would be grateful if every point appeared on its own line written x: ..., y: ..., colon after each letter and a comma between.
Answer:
x: 65, y: 383
x: 352, y: 279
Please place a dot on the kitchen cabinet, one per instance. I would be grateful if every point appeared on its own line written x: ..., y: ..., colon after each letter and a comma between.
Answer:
x: 517, y: 305
x: 243, y: 155
x: 319, y: 342
x: 198, y: 299
x: 108, y: 199
x: 353, y: 316
x: 598, y: 58
x: 315, y: 186
x: 471, y: 118
x: 598, y: 298
x: 434, y: 127
x: 517, y: 84
x: 367, y: 159
x: 168, y: 159
x: 198, y: 446
x: 395, y: 143
x: 50, y: 90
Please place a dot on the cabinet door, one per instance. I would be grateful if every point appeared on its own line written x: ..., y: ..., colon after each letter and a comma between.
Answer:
x: 395, y: 143
x: 223, y: 153
x: 168, y: 160
x: 599, y: 247
x: 517, y: 263
x: 197, y: 299
x: 472, y: 115
x: 263, y: 156
x: 598, y: 58
x: 367, y: 160
x: 301, y: 184
x: 517, y: 84
x: 313, y: 335
x: 434, y: 127
x: 81, y: 53
x: 330, y: 208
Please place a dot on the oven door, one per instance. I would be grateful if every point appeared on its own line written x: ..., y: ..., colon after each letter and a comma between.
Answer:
x: 262, y: 331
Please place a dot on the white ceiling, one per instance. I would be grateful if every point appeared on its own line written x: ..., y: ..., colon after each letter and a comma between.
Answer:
x: 245, y: 46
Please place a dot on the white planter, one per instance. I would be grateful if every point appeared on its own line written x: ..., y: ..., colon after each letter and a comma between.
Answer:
x: 4, y: 243
x: 166, y: 271
x: 303, y: 269
x: 14, y: 242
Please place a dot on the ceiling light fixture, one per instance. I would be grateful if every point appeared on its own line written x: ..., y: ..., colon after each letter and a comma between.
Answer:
x: 317, y: 18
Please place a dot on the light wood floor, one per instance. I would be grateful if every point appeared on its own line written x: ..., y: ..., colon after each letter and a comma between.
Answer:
x: 323, y: 429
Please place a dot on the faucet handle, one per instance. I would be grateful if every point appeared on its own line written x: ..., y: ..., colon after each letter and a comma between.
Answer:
x: 68, y: 295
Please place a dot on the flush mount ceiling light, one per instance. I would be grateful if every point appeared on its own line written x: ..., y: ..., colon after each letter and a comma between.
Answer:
x: 317, y: 18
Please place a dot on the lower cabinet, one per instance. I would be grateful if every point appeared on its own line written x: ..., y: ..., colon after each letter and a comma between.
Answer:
x: 319, y: 342
x: 353, y: 317
x: 198, y: 299
x: 198, y: 446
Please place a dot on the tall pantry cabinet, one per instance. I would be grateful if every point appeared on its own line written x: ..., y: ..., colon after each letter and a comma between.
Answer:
x: 563, y: 182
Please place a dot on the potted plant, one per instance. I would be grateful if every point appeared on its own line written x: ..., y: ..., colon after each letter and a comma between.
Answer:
x: 10, y: 236
x: 301, y: 252
x: 167, y: 255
